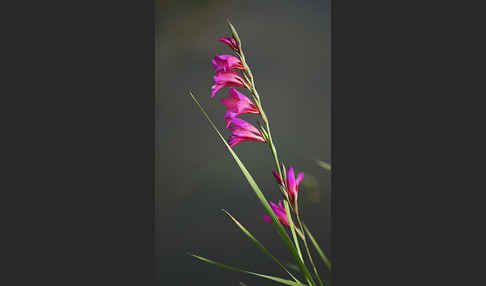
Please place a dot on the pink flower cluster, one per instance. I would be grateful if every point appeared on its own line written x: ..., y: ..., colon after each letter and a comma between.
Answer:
x: 225, y: 67
x: 236, y: 103
x: 280, y: 213
x: 291, y: 186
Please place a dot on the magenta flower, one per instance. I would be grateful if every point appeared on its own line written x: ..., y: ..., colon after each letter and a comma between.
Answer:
x: 280, y: 213
x: 222, y: 79
x: 231, y: 42
x: 292, y: 184
x: 243, y: 131
x: 237, y: 103
x: 225, y: 63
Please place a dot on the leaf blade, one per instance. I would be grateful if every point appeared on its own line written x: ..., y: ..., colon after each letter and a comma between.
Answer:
x: 259, y: 244
x: 280, y: 229
x: 318, y: 248
x: 324, y: 165
x: 277, y: 279
x: 292, y: 229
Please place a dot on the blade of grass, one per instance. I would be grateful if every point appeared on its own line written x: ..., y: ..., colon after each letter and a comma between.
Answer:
x: 292, y: 266
x: 252, y: 238
x: 318, y: 248
x: 308, y: 254
x: 292, y: 229
x: 324, y: 165
x: 277, y: 279
x: 280, y: 229
x: 304, y: 239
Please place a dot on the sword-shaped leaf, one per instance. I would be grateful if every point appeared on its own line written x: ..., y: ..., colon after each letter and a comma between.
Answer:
x: 258, y: 243
x: 324, y: 165
x: 277, y: 279
x: 280, y: 229
x: 318, y: 249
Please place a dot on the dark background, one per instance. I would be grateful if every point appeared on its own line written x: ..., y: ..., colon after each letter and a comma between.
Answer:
x: 287, y: 46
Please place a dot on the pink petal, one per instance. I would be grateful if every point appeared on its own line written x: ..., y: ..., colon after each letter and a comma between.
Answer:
x: 290, y: 178
x: 243, y: 133
x: 215, y: 88
x: 230, y: 41
x: 273, y: 206
x: 267, y: 218
x: 231, y: 60
x: 238, y: 96
x: 228, y: 117
x: 280, y: 212
x: 238, y: 122
x: 226, y: 63
x: 277, y: 177
x: 233, y: 140
x: 222, y: 79
x: 228, y: 77
x: 243, y: 103
x: 230, y: 103
x: 300, y: 176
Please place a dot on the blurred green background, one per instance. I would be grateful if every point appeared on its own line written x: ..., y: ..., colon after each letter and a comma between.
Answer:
x: 287, y: 46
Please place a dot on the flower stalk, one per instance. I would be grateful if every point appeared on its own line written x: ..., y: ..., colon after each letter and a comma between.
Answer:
x: 281, y: 215
x: 256, y: 97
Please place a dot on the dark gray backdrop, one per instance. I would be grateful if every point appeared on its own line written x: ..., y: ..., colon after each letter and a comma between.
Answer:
x: 287, y: 46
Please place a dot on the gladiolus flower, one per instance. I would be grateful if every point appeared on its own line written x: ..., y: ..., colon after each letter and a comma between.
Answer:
x: 292, y: 184
x: 243, y: 131
x: 279, y: 212
x: 230, y: 41
x: 237, y: 103
x: 222, y: 79
x: 226, y: 63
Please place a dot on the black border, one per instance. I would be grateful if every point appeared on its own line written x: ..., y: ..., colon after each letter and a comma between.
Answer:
x: 83, y: 143
x: 401, y: 72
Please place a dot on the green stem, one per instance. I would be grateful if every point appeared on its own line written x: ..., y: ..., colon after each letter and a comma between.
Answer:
x: 256, y: 97
x: 308, y: 252
x: 264, y: 118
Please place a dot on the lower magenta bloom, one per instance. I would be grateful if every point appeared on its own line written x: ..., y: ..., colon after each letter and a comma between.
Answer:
x: 222, y: 79
x: 291, y: 184
x: 280, y: 213
x: 243, y: 131
x: 237, y: 103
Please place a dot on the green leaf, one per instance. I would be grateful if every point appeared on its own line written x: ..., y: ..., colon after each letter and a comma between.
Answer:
x: 277, y: 279
x: 280, y: 229
x: 318, y: 248
x: 292, y: 266
x: 252, y: 238
x: 324, y: 165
